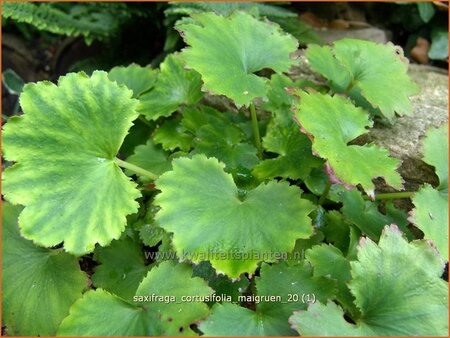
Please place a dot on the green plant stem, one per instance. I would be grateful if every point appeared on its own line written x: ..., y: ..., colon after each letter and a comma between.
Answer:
x: 325, y: 193
x: 392, y: 195
x: 144, y: 120
x: 349, y: 87
x: 135, y: 168
x: 256, y: 129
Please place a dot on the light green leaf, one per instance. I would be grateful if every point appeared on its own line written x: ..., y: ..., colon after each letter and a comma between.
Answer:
x: 431, y: 216
x: 66, y: 177
x: 39, y: 285
x: 150, y: 157
x: 175, y: 87
x: 377, y: 72
x: 397, y: 287
x: 138, y: 79
x: 322, y: 60
x: 286, y: 288
x: 279, y: 102
x: 295, y: 158
x: 122, y: 267
x: 365, y: 215
x: 227, y: 51
x: 238, y: 229
x: 435, y: 153
x: 326, y: 320
x: 333, y: 122
x: 431, y: 206
x: 158, y: 317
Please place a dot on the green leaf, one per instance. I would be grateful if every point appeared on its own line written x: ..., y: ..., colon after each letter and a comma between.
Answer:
x: 227, y: 51
x: 286, y: 288
x: 175, y: 87
x: 150, y: 157
x: 211, y: 142
x: 431, y: 206
x: 397, y: 287
x: 431, y: 216
x: 172, y: 135
x: 81, y: 20
x: 138, y: 134
x: 332, y: 122
x: 328, y: 261
x: 439, y: 45
x: 295, y: 158
x: 149, y: 232
x: 377, y: 72
x: 426, y: 11
x: 435, y: 153
x: 138, y: 79
x: 122, y: 267
x: 222, y: 285
x: 322, y: 60
x: 158, y: 317
x: 216, y: 135
x: 238, y: 229
x: 12, y: 82
x: 337, y: 230
x: 39, y: 285
x: 279, y: 102
x: 66, y: 176
x: 365, y: 215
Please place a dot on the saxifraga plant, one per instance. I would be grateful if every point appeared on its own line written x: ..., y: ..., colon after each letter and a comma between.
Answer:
x: 197, y: 225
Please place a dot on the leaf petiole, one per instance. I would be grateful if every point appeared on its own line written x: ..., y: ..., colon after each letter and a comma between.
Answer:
x: 256, y: 129
x: 135, y: 168
x: 391, y: 195
x: 325, y: 193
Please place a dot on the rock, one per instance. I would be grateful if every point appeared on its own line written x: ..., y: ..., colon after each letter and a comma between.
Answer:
x: 403, y: 138
x: 371, y: 33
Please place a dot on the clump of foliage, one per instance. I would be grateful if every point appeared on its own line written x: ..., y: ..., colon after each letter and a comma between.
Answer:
x: 190, y: 203
x: 93, y: 21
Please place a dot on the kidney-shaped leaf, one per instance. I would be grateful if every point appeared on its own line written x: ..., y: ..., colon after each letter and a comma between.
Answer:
x: 167, y: 301
x: 377, y: 72
x: 282, y: 289
x: 332, y: 122
x: 175, y: 86
x: 397, y: 287
x: 227, y: 51
x: 431, y: 216
x: 431, y: 205
x: 212, y: 220
x: 39, y: 285
x: 65, y: 175
x: 138, y: 79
